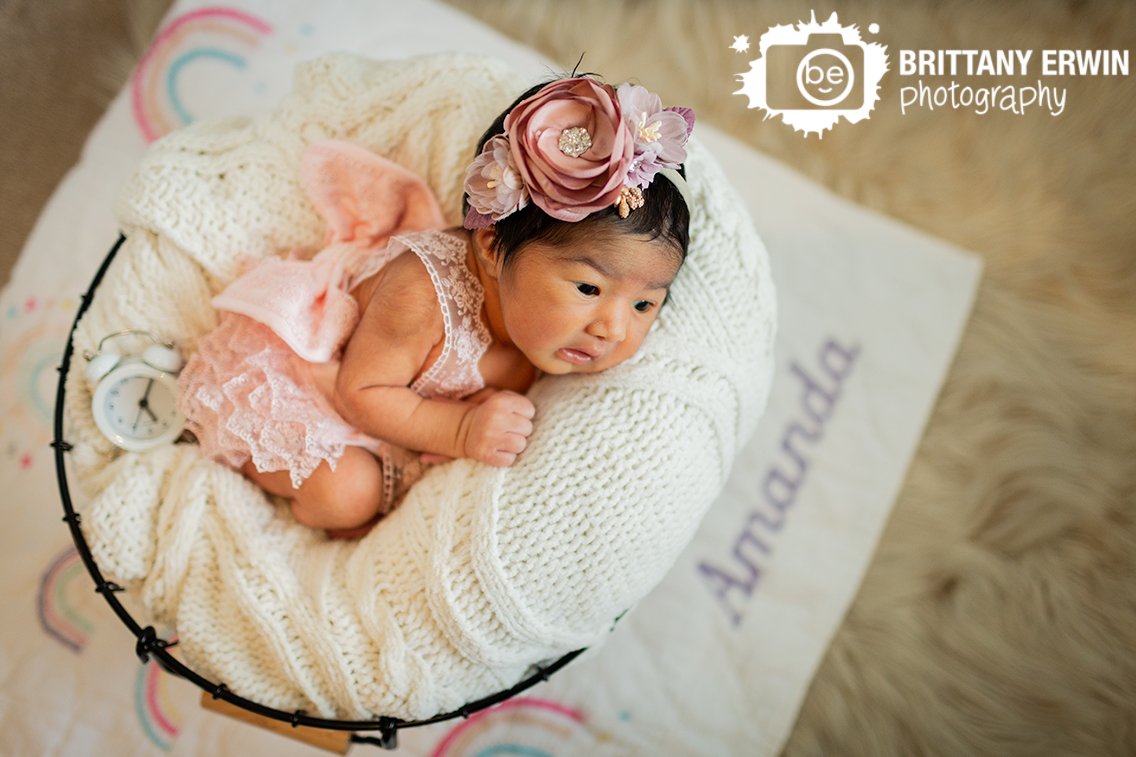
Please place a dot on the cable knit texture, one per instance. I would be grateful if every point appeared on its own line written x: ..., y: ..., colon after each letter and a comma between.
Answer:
x: 482, y: 571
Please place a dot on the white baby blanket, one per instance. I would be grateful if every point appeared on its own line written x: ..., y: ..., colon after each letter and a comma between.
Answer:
x: 717, y: 659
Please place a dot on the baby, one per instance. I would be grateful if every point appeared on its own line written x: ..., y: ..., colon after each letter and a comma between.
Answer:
x: 333, y: 381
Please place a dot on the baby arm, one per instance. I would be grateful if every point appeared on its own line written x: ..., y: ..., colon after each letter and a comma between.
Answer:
x: 400, y: 327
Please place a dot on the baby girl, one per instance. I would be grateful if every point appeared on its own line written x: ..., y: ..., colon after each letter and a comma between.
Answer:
x: 333, y: 381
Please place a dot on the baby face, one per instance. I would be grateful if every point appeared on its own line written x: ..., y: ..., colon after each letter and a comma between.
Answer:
x: 585, y: 308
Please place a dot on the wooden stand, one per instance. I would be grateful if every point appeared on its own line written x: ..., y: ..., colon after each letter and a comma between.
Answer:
x: 337, y: 742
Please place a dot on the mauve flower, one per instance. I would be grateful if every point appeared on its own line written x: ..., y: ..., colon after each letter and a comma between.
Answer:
x: 660, y: 134
x: 494, y: 187
x: 566, y: 187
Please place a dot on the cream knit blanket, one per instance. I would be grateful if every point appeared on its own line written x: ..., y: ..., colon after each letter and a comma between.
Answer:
x: 482, y: 571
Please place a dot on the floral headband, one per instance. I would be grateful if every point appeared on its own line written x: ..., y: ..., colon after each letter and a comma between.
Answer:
x: 575, y: 147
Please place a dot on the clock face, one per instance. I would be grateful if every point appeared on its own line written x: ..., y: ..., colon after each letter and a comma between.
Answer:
x: 136, y: 407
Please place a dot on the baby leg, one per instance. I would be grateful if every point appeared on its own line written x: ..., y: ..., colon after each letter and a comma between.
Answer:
x: 340, y: 500
x: 274, y: 482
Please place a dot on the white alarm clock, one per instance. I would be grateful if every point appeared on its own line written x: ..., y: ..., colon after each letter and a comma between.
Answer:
x: 135, y: 396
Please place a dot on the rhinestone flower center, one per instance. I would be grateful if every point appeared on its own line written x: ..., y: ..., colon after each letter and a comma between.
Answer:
x: 575, y: 141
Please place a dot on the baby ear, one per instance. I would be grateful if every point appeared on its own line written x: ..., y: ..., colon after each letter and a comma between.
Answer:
x: 485, y: 247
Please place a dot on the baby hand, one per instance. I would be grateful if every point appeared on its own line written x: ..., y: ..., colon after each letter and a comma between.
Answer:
x: 497, y: 428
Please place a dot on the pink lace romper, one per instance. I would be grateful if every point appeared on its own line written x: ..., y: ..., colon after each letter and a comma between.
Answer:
x: 259, y: 386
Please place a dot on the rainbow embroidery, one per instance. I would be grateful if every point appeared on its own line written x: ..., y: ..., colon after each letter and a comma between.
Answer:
x: 36, y: 328
x: 159, y: 720
x: 522, y: 726
x: 62, y: 589
x: 219, y: 33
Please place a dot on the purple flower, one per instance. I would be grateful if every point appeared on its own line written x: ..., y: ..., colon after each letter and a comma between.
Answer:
x: 660, y: 133
x: 494, y: 187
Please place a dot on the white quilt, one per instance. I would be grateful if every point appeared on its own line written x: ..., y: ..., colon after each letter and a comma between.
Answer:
x: 717, y: 659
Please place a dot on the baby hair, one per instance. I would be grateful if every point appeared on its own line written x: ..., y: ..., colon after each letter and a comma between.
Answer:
x: 663, y: 216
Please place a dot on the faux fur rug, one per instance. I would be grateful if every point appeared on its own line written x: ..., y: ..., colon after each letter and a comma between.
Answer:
x: 999, y: 613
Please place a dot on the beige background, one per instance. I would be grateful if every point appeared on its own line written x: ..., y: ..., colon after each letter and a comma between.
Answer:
x: 999, y: 613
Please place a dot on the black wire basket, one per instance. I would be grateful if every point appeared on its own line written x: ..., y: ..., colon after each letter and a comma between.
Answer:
x: 149, y: 644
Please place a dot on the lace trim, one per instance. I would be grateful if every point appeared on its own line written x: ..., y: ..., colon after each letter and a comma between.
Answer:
x: 460, y: 295
x: 373, y: 262
x: 243, y: 397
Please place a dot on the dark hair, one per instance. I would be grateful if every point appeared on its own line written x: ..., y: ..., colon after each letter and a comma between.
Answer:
x: 664, y: 214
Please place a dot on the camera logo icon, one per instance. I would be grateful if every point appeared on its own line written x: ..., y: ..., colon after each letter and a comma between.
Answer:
x: 812, y: 75
x: 826, y: 72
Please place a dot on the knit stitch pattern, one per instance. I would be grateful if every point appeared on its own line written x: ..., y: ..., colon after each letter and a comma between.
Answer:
x: 481, y: 572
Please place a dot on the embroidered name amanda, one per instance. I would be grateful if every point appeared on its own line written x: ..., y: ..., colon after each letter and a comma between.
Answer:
x: 733, y: 581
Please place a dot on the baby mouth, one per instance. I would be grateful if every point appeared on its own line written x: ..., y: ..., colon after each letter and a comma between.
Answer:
x: 578, y: 357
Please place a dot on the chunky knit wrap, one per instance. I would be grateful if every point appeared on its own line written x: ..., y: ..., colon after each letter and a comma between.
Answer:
x: 482, y: 571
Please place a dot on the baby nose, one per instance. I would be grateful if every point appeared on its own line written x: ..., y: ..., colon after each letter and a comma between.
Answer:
x: 610, y: 324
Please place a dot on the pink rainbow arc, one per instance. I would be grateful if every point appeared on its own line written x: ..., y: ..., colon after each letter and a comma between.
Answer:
x: 151, y: 707
x: 57, y: 618
x: 149, y: 131
x: 154, y: 706
x: 521, y: 702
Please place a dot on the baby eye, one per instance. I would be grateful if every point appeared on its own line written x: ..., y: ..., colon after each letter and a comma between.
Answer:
x: 588, y: 289
x: 644, y: 305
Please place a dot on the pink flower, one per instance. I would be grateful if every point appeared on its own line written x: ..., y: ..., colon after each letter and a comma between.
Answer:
x: 660, y: 134
x: 566, y: 187
x: 494, y: 187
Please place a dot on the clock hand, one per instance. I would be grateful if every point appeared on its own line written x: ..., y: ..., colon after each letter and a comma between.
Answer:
x: 144, y: 404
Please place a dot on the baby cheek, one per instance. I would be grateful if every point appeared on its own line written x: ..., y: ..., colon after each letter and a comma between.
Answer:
x: 625, y: 350
x: 540, y: 332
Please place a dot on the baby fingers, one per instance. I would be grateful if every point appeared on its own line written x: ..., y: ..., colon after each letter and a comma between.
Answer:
x: 513, y: 443
x: 501, y: 459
